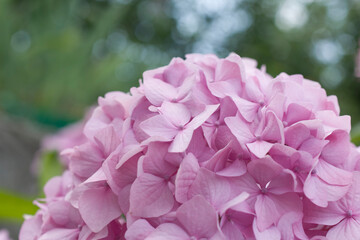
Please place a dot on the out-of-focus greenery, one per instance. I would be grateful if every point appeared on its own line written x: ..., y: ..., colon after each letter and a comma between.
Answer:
x: 56, y: 57
x: 13, y: 207
x: 49, y: 166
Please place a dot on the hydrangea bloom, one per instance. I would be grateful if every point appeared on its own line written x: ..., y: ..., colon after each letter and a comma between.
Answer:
x: 207, y: 148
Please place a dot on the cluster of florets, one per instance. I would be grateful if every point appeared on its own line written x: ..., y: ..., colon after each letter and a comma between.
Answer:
x: 207, y: 148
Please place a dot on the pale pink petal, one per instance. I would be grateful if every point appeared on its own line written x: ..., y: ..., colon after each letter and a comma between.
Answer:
x: 159, y: 126
x: 185, y: 177
x: 176, y: 113
x: 198, y: 217
x: 247, y: 109
x: 296, y: 113
x: 330, y: 215
x: 338, y: 147
x: 98, y: 207
x: 215, y: 189
x: 202, y: 117
x: 274, y: 129
x: 348, y: 229
x: 168, y: 231
x: 296, y: 135
x: 271, y: 233
x: 139, y: 230
x: 264, y: 170
x: 181, y: 140
x: 156, y: 91
x: 31, y: 228
x: 259, y: 148
x: 60, y: 234
x: 240, y: 129
x: 150, y: 196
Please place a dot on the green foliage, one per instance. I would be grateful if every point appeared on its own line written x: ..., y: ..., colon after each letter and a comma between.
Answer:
x: 355, y: 134
x: 50, y: 166
x: 13, y: 206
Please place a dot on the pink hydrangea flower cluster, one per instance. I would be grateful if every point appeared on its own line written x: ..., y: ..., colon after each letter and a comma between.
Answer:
x: 208, y: 148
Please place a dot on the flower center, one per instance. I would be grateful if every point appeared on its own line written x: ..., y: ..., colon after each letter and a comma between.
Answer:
x: 349, y: 214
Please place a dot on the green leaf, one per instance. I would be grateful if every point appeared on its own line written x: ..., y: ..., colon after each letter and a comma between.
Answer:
x: 50, y: 166
x: 355, y: 134
x: 13, y: 207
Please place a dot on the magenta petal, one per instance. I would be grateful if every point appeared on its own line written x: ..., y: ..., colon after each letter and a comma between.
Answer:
x: 198, y: 217
x: 150, y: 196
x: 98, y: 207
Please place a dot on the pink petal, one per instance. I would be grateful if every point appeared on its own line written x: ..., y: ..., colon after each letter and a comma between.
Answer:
x: 156, y: 91
x: 60, y: 234
x: 330, y: 215
x: 139, y: 230
x: 219, y: 160
x: 168, y: 231
x: 259, y: 148
x: 176, y: 113
x: 348, y: 229
x: 338, y: 148
x: 150, y: 196
x: 154, y: 161
x: 98, y: 207
x: 240, y: 129
x: 215, y: 189
x: 198, y: 217
x: 159, y: 126
x: 185, y: 177
x: 296, y: 134
x: 274, y: 129
x: 202, y: 117
x: 247, y: 109
x: 271, y: 233
x: 296, y: 113
x: 264, y: 170
x: 181, y: 141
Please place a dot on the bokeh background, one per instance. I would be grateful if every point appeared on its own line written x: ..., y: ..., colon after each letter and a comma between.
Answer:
x: 57, y: 57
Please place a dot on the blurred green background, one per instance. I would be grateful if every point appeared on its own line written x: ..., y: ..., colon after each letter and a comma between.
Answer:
x: 57, y: 57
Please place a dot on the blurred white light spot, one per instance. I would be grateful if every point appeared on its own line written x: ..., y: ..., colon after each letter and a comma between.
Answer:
x: 20, y: 41
x: 331, y: 77
x: 211, y: 7
x: 337, y: 10
x: 327, y: 51
x: 188, y: 24
x: 291, y: 14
